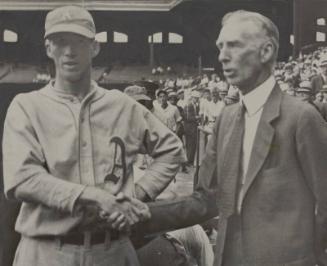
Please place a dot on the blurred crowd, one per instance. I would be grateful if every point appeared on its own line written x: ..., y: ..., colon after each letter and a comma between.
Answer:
x: 187, y: 102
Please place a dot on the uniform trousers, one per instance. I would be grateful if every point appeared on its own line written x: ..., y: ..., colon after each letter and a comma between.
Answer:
x: 45, y: 252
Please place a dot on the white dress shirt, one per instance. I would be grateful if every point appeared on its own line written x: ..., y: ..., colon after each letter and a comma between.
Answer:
x: 253, y: 102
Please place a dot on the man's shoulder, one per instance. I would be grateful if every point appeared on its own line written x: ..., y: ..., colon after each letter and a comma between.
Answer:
x: 28, y: 97
x: 116, y: 95
x: 293, y: 109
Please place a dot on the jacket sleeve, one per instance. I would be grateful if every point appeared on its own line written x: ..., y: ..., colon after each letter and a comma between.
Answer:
x: 181, y: 212
x: 311, y: 138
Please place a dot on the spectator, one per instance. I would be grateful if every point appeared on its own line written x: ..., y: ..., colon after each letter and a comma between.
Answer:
x: 321, y: 79
x: 167, y: 113
x: 192, y: 119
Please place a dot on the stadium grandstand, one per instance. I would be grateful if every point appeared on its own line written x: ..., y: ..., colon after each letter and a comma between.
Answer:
x: 135, y: 36
x: 138, y: 35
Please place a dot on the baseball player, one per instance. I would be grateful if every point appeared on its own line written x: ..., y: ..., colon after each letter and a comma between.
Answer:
x: 68, y: 150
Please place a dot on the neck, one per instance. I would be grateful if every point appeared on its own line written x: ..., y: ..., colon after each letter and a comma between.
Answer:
x: 78, y: 88
x: 250, y: 87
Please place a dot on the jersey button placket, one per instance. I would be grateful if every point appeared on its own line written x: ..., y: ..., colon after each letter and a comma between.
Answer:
x: 86, y: 159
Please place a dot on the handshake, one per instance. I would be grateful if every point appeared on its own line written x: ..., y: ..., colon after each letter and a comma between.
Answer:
x: 127, y: 212
x: 103, y: 210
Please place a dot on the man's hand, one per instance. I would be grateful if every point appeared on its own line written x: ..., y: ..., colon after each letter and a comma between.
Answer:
x: 139, y: 208
x: 119, y: 212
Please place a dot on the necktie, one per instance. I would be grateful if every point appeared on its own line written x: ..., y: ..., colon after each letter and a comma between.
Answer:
x: 231, y: 168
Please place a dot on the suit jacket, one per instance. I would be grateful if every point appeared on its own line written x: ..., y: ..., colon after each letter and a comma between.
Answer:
x: 322, y: 108
x: 285, y: 179
x: 317, y: 83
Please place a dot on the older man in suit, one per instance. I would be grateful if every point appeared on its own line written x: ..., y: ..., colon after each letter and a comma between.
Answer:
x: 265, y: 168
x: 192, y: 118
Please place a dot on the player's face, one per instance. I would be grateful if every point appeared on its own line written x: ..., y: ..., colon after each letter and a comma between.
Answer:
x: 239, y: 44
x: 72, y: 55
x: 162, y: 98
x: 207, y: 96
x: 173, y: 100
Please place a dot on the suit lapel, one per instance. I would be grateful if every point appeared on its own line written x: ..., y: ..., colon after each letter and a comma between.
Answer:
x: 228, y: 125
x: 264, y: 136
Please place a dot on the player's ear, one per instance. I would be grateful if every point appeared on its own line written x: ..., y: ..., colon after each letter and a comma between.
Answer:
x: 95, y: 48
x: 48, y: 48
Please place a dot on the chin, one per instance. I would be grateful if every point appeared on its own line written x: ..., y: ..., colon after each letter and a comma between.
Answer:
x: 74, y: 77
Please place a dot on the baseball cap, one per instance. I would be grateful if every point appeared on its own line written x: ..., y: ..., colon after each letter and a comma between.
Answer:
x: 137, y: 93
x: 180, y: 91
x: 288, y: 66
x: 73, y: 19
x: 305, y: 86
x: 172, y: 94
x: 195, y: 94
x: 161, y: 91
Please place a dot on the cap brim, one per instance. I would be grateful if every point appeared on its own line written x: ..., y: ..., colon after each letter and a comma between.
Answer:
x: 70, y: 28
x: 141, y: 97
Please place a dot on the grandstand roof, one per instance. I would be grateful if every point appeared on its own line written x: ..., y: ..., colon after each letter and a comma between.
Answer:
x: 115, y: 5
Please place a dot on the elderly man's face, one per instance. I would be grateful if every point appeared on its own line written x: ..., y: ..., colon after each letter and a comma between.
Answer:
x: 241, y: 54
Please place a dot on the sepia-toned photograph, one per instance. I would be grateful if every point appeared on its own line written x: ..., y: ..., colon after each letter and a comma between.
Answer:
x: 163, y: 133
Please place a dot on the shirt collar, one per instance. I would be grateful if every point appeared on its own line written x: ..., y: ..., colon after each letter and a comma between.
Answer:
x: 95, y: 93
x: 254, y: 100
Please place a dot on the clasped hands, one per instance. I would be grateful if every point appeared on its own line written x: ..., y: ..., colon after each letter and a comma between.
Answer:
x: 103, y: 210
x: 126, y: 212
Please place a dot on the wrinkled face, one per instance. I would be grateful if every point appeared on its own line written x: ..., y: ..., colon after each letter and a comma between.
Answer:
x: 72, y: 55
x: 241, y: 54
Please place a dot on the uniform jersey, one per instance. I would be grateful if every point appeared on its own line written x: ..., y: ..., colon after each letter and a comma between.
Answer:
x: 56, y: 145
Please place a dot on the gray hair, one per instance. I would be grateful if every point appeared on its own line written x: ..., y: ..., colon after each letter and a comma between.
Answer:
x: 269, y: 27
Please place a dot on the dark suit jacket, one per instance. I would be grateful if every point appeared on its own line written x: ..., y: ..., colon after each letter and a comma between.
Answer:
x: 322, y: 108
x: 317, y: 83
x: 285, y: 179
